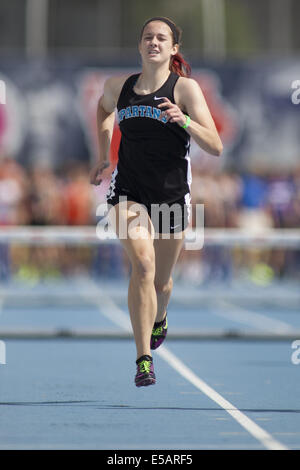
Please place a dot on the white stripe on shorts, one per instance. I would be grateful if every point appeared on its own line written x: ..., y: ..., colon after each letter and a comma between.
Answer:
x: 111, y: 190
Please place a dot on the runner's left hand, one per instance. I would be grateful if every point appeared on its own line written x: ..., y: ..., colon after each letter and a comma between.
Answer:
x: 173, y: 112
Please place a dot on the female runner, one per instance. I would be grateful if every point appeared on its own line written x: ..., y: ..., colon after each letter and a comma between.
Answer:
x: 159, y: 110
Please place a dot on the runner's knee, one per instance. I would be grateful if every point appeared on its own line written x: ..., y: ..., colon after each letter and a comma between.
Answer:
x: 163, y: 287
x: 143, y: 265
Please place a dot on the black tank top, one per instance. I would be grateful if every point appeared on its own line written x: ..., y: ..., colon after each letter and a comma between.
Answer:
x: 153, y: 153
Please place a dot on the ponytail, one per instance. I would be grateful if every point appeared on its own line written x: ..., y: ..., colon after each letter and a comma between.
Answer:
x: 179, y: 66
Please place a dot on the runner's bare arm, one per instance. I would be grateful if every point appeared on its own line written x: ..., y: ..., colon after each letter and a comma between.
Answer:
x: 105, y: 125
x: 189, y: 98
x: 106, y: 118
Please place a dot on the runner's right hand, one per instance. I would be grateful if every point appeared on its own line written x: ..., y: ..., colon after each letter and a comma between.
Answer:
x: 96, y: 172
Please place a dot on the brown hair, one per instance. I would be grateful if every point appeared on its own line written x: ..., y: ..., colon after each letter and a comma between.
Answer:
x: 178, y: 64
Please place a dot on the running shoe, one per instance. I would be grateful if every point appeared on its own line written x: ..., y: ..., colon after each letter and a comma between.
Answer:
x: 159, y: 333
x: 145, y: 372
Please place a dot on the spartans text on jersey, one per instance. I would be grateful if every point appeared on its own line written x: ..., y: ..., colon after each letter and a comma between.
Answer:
x: 141, y: 111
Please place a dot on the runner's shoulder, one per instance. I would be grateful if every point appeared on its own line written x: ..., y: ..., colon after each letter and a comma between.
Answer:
x: 186, y: 84
x: 114, y: 84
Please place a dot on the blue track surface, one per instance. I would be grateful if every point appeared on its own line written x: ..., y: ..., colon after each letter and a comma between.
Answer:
x: 78, y: 394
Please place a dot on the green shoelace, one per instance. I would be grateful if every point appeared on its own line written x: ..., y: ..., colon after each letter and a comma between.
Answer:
x: 158, y: 331
x: 144, y: 366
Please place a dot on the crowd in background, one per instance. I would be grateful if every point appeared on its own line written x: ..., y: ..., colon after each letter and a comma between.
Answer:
x: 256, y: 200
x: 42, y: 196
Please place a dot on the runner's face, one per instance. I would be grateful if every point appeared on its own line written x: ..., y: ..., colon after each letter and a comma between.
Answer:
x: 156, y: 44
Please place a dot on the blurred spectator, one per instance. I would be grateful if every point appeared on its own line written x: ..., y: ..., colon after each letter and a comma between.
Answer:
x: 46, y: 198
x: 78, y: 197
x: 281, y: 198
x: 221, y: 195
x: 254, y: 214
x: 14, y: 186
x: 231, y: 188
x: 205, y: 190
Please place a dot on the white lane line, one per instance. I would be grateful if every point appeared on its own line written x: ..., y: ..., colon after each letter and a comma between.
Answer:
x: 247, y: 317
x: 256, y: 431
x: 117, y: 316
x: 113, y: 313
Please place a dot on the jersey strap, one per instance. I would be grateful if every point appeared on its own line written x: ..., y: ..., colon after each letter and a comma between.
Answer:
x: 128, y: 85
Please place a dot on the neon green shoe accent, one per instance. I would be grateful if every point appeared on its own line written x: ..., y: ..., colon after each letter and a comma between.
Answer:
x: 158, y: 331
x: 144, y: 366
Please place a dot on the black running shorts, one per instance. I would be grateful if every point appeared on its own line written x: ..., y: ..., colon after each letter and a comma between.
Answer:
x: 171, y: 217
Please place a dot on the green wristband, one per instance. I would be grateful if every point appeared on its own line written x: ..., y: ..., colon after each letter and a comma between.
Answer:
x: 187, y: 122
